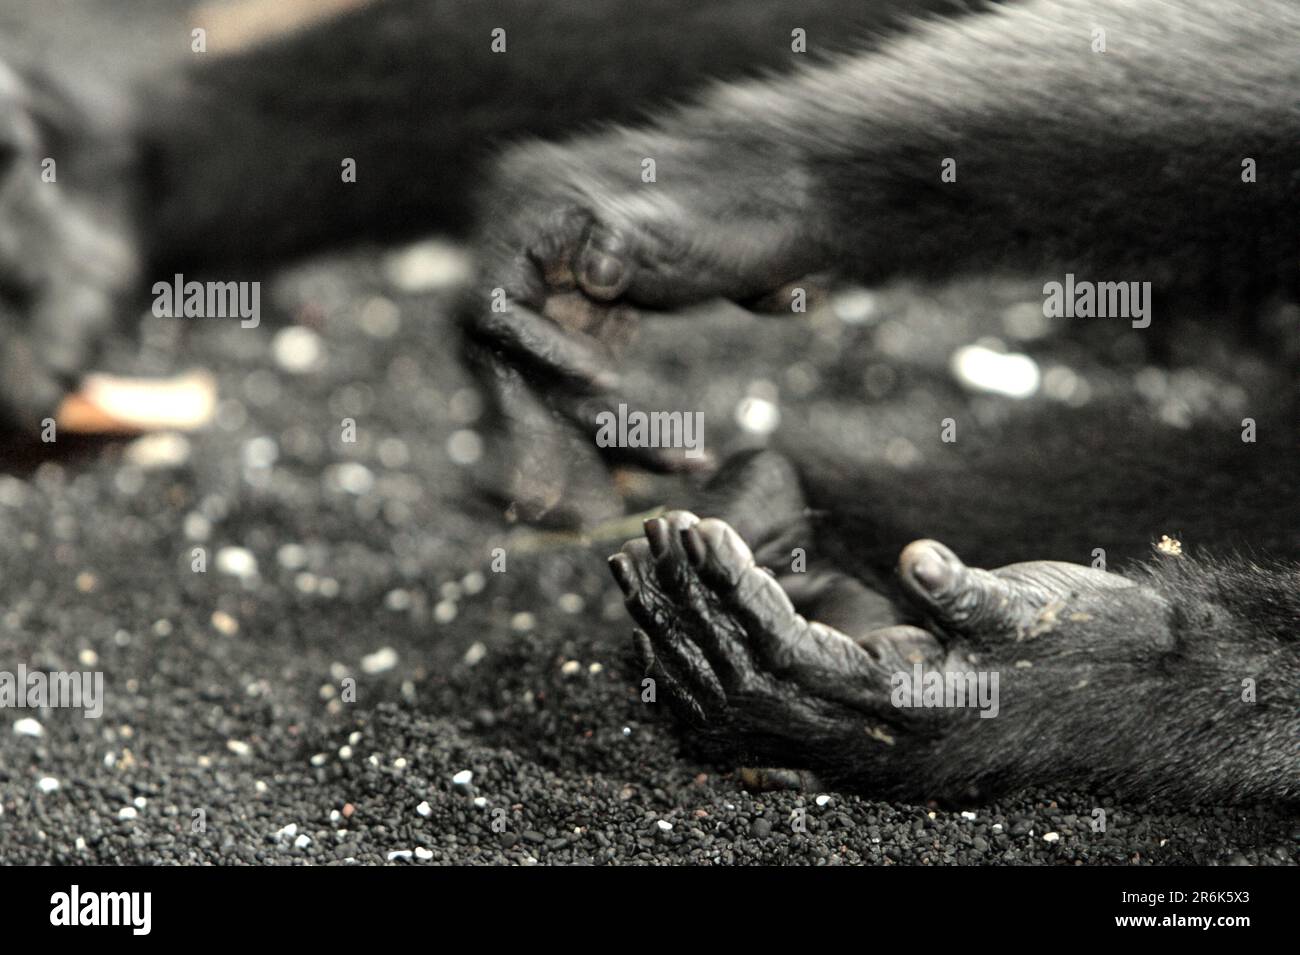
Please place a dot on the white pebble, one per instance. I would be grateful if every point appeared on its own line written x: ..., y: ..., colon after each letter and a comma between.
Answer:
x: 28, y: 727
x: 464, y: 447
x: 473, y: 582
x: 854, y: 306
x: 238, y: 747
x: 664, y: 825
x: 423, y: 854
x: 286, y: 832
x: 480, y: 802
x: 428, y: 266
x: 196, y: 527
x: 462, y: 778
x: 291, y: 556
x: 166, y: 449
x: 351, y: 476
x: 381, y: 661
x: 127, y: 813
x: 444, y: 611
x: 1051, y: 837
x: 571, y: 667
x: 260, y: 452
x: 398, y: 600
x: 302, y: 842
x: 523, y: 622
x: 984, y: 369
x: 396, y: 855
x: 476, y: 652
x: 297, y: 349
x: 47, y: 784
x: 757, y: 415
x: 237, y: 562
x: 823, y: 800
x: 424, y: 809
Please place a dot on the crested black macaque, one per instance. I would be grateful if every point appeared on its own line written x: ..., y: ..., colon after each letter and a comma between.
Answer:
x: 228, y: 162
x: 1121, y: 141
x: 1116, y: 140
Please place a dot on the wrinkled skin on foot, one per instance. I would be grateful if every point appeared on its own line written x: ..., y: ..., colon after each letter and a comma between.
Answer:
x: 1088, y: 665
x: 64, y: 256
x: 576, y: 246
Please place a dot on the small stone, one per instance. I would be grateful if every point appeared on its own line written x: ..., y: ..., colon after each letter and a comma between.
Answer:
x: 350, y: 476
x: 400, y: 855
x: 664, y: 825
x: 476, y: 652
x: 297, y: 349
x: 239, y: 747
x: 302, y: 842
x: 28, y: 727
x: 224, y: 623
x: 47, y: 784
x: 424, y: 809
x: 166, y: 449
x: 1051, y: 837
x: 381, y: 661
x: 127, y: 813
x: 423, y: 854
x: 237, y: 562
x: 291, y: 556
x: 462, y: 778
x: 465, y: 447
x: 571, y: 668
x: 428, y: 266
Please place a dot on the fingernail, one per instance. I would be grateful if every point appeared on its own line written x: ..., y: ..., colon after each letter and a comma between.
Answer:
x: 932, y: 571
x: 656, y: 532
x: 603, y: 274
x: 693, y: 544
x: 620, y: 565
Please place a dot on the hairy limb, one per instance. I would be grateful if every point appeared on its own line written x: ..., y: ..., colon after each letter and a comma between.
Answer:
x: 1066, y: 159
x: 1126, y: 685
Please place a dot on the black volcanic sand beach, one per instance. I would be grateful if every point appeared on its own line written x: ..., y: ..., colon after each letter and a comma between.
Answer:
x: 474, y: 697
